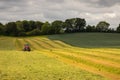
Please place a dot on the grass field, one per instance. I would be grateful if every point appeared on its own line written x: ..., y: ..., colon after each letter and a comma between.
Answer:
x: 61, y: 57
x: 90, y: 40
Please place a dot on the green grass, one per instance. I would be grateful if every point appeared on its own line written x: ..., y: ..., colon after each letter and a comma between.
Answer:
x: 18, y: 65
x: 52, y: 59
x: 7, y: 43
x: 90, y: 40
x: 88, y: 62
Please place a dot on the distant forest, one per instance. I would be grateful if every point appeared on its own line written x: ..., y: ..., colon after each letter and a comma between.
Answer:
x: 31, y: 28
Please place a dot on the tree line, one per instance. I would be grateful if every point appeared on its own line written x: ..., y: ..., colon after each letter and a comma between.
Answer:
x: 31, y: 28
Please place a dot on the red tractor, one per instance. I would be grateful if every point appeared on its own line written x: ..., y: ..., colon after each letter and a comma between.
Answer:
x: 26, y: 47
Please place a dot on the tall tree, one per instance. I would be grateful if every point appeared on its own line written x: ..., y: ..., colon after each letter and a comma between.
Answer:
x: 11, y: 29
x: 80, y: 24
x: 1, y: 28
x: 45, y: 28
x: 21, y: 30
x: 38, y: 24
x: 102, y: 26
x: 56, y: 26
x: 20, y: 27
x: 32, y: 25
x: 118, y: 28
x: 90, y: 28
x: 26, y: 26
x: 75, y: 24
x: 111, y: 30
x: 33, y: 32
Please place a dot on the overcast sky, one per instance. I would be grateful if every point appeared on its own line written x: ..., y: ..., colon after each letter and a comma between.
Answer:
x: 49, y: 10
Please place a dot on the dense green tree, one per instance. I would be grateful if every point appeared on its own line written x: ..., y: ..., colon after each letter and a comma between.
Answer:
x: 1, y: 28
x: 90, y: 28
x: 45, y: 28
x: 11, y: 29
x: 111, y: 30
x: 21, y: 30
x: 102, y: 26
x: 38, y: 24
x: 32, y: 25
x: 56, y: 26
x: 118, y: 28
x: 26, y: 26
x: 34, y: 32
x: 69, y: 23
x: 20, y: 27
x: 1, y: 24
x: 80, y: 24
x: 75, y: 24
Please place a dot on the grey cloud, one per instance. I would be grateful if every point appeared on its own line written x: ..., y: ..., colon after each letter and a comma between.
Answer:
x: 49, y: 10
x: 102, y: 3
x: 55, y: 1
x: 8, y: 4
x: 108, y: 2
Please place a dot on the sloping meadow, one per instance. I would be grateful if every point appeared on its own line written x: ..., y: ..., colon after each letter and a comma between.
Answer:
x: 56, y: 60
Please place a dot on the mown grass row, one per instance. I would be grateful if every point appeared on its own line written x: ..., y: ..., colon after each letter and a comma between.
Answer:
x: 105, y: 70
x: 18, y: 44
x: 50, y: 43
x: 89, y: 62
x: 96, y: 55
x: 85, y: 55
x: 18, y: 65
x: 45, y: 43
x: 82, y: 52
x: 99, y: 51
x: 89, y: 52
x: 71, y: 61
x: 93, y: 58
x: 89, y: 57
x: 7, y: 43
x: 106, y: 55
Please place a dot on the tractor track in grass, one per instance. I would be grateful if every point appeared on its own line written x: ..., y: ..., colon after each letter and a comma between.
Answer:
x: 40, y: 45
x: 50, y: 43
x: 114, y: 53
x: 92, y: 58
x: 45, y: 45
x: 98, y: 51
x: 92, y: 63
x: 108, y: 51
x: 32, y: 45
x: 87, y: 59
x: 62, y: 44
x: 19, y: 43
x: 56, y: 43
x: 82, y: 66
x: 45, y: 42
x: 96, y: 54
x: 96, y: 57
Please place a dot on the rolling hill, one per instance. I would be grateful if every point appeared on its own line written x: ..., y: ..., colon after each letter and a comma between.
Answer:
x: 78, y: 56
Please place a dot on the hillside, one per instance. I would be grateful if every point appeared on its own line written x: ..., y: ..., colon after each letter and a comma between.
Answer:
x: 59, y: 60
